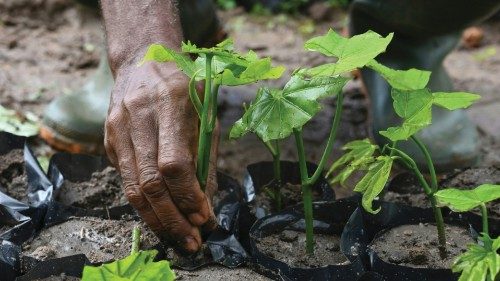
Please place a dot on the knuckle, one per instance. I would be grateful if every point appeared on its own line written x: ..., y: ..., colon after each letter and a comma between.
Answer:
x: 178, y: 168
x: 134, y: 197
x: 151, y: 184
x: 132, y: 102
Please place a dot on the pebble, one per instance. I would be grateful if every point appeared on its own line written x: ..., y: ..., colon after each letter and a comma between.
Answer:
x: 408, y: 232
x: 334, y: 247
x: 288, y: 236
x: 397, y: 257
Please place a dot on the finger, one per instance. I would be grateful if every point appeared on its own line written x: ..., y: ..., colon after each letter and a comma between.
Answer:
x: 143, y: 133
x: 177, y: 147
x: 120, y: 143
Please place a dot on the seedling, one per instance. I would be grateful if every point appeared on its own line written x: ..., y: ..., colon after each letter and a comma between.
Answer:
x: 276, y: 114
x: 412, y: 102
x: 217, y: 66
x: 481, y: 261
x: 139, y: 265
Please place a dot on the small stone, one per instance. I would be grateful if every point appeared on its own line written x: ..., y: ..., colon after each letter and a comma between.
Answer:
x: 334, y: 247
x: 421, y: 225
x: 408, y: 232
x: 397, y: 257
x: 288, y: 236
x: 43, y: 252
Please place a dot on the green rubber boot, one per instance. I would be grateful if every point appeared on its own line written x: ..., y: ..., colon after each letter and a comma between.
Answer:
x: 75, y: 122
x: 425, y: 32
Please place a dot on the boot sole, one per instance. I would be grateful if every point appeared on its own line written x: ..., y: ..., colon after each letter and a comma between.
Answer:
x: 64, y: 143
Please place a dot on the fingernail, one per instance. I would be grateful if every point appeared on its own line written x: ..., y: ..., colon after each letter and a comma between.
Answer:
x: 191, y: 245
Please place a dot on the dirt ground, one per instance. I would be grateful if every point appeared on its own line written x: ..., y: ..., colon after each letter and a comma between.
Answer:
x: 49, y: 47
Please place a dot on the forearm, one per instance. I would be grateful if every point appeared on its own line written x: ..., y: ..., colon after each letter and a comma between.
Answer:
x: 131, y: 26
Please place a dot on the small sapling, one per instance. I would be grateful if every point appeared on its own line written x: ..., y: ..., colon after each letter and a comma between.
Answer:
x: 139, y: 265
x: 216, y: 66
x: 481, y: 261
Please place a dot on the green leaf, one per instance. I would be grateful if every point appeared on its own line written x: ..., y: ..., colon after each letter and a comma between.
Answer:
x: 359, y: 154
x: 456, y: 100
x: 411, y: 79
x: 479, y: 262
x: 255, y: 71
x: 228, y: 67
x: 159, y: 53
x: 275, y: 113
x: 138, y: 267
x: 352, y: 52
x: 13, y: 122
x: 238, y: 130
x: 465, y: 200
x: 374, y: 181
x: 415, y: 107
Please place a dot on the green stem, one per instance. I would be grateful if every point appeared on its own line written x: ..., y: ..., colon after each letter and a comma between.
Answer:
x: 430, y: 165
x: 277, y: 177
x: 484, y: 216
x: 136, y: 240
x: 193, y: 95
x: 438, y: 215
x: 204, y: 139
x: 306, y: 192
x: 331, y: 139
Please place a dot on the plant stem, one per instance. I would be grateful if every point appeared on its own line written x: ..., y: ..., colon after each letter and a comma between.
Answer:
x: 136, y: 240
x: 430, y: 165
x: 438, y: 215
x: 204, y: 140
x: 306, y: 192
x: 193, y: 95
x: 331, y: 139
x: 277, y: 177
x: 484, y: 217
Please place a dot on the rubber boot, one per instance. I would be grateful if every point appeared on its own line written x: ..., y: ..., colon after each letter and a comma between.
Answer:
x: 75, y: 122
x: 425, y: 33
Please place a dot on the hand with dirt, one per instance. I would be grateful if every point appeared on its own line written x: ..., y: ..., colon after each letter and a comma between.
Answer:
x: 151, y: 131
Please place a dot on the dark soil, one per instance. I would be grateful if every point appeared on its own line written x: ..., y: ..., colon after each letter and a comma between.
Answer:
x: 417, y: 245
x: 405, y: 188
x: 61, y: 277
x: 217, y: 272
x: 291, y: 194
x: 104, y: 189
x: 13, y: 179
x: 290, y: 247
x: 99, y: 239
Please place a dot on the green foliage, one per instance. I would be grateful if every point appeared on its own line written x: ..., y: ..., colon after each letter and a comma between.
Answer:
x: 275, y: 113
x: 465, y: 200
x: 352, y: 53
x: 480, y: 262
x: 15, y: 123
x: 374, y: 181
x: 411, y: 79
x: 228, y: 67
x: 227, y: 4
x: 415, y: 108
x: 358, y: 156
x: 137, y: 267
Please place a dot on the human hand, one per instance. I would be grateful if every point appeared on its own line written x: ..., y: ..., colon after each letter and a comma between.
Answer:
x: 151, y: 135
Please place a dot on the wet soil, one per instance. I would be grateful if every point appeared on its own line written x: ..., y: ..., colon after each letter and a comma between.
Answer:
x: 99, y: 239
x: 289, y: 246
x: 13, y: 179
x: 103, y: 190
x: 61, y: 277
x: 417, y: 245
x: 405, y: 188
x: 291, y: 194
x: 216, y: 273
